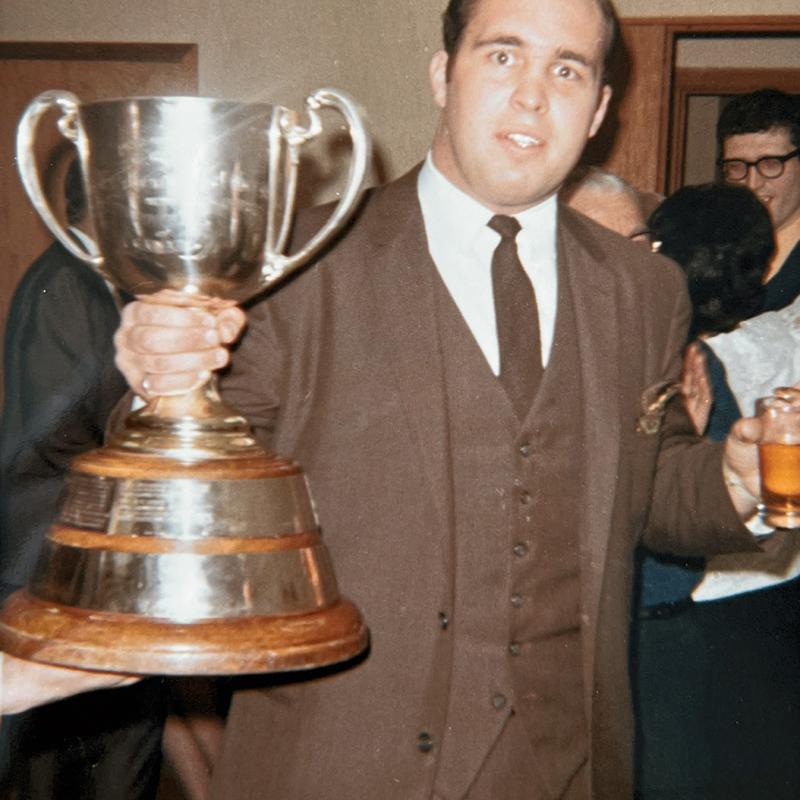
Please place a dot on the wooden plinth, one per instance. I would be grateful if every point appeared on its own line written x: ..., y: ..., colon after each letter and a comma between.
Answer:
x: 69, y: 637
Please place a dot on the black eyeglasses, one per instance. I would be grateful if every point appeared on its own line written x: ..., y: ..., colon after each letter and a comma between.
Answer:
x: 736, y: 169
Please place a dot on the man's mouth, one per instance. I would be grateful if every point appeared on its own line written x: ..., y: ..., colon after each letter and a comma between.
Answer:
x: 523, y: 140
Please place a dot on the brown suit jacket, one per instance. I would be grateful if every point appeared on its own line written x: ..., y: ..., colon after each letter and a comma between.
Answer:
x: 340, y: 368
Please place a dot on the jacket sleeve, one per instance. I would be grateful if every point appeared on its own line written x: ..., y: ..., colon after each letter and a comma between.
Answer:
x: 60, y: 385
x: 690, y: 510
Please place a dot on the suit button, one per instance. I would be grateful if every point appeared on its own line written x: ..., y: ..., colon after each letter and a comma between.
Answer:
x: 499, y: 701
x: 525, y: 498
x: 444, y: 620
x: 424, y: 742
x: 516, y: 600
x: 520, y: 549
x: 515, y: 648
x: 525, y: 450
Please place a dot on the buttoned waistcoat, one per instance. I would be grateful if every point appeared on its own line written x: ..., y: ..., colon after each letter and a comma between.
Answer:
x: 515, y: 622
x: 341, y: 369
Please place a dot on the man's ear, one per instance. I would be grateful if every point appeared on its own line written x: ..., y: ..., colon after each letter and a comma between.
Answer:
x: 437, y: 72
x: 602, y: 108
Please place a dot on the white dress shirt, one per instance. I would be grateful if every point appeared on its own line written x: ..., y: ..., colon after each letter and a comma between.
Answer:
x: 461, y: 245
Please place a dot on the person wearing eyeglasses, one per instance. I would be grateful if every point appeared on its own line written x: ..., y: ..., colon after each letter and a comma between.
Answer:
x: 759, y: 141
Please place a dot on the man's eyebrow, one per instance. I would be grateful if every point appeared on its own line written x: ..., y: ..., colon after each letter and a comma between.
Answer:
x: 571, y: 55
x: 495, y: 41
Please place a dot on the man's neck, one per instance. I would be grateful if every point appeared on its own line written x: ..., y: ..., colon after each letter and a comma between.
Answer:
x: 786, y: 237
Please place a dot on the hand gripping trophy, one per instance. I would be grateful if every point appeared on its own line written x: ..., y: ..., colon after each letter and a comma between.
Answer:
x: 183, y: 546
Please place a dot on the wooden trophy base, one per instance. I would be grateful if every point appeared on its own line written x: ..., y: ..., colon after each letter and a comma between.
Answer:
x: 45, y: 632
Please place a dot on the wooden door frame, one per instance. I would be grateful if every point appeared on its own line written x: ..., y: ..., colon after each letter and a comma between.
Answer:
x: 103, y: 51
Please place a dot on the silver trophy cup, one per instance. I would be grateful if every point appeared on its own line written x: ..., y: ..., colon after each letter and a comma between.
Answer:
x: 184, y: 547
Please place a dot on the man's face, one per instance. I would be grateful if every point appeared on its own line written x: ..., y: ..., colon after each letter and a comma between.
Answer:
x: 780, y: 195
x: 523, y: 96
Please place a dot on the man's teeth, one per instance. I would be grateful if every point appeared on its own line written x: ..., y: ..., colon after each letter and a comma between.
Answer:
x: 523, y: 140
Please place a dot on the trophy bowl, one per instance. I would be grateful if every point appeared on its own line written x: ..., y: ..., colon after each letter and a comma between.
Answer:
x: 183, y: 546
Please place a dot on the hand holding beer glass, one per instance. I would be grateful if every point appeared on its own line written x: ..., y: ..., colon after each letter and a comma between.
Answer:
x: 779, y: 457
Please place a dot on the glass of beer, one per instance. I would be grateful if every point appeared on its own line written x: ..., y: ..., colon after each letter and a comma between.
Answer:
x: 779, y: 457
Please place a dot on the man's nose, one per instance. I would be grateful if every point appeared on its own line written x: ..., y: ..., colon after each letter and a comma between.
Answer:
x: 754, y: 180
x: 530, y: 93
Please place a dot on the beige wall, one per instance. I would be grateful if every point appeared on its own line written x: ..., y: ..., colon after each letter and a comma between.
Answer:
x: 721, y: 8
x: 739, y: 53
x: 278, y: 50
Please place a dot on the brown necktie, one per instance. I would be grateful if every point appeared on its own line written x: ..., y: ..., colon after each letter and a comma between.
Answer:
x: 517, y: 319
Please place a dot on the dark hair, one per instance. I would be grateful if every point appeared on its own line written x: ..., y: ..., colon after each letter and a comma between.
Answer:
x: 760, y: 111
x: 722, y: 237
x: 458, y: 13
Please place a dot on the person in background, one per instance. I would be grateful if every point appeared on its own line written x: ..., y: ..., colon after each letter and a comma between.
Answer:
x: 60, y: 387
x: 758, y: 136
x: 608, y: 200
x: 715, y: 665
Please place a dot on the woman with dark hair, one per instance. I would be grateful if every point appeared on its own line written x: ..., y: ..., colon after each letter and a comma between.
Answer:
x: 722, y: 238
x: 716, y: 647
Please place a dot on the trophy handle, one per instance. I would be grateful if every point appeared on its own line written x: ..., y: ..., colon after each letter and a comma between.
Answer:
x: 69, y: 127
x: 277, y: 265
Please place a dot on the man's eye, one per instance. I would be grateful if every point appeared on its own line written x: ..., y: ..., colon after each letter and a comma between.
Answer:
x: 566, y: 72
x: 502, y: 58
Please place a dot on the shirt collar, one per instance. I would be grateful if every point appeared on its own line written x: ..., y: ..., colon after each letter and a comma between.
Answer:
x: 462, y: 218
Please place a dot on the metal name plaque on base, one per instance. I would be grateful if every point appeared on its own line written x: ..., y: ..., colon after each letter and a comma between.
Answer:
x: 183, y: 547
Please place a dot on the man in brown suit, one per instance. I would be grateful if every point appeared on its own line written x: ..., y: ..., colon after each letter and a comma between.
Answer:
x: 488, y: 543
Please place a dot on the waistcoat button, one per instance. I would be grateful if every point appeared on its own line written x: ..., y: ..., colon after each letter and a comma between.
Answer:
x: 444, y: 620
x: 525, y: 450
x: 424, y: 742
x: 516, y: 600
x: 525, y: 498
x: 515, y: 648
x: 520, y: 549
x: 499, y: 701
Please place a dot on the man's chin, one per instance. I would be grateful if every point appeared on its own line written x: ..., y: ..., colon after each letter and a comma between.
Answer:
x: 505, y: 202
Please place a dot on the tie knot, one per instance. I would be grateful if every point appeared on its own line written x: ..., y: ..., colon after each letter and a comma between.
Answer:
x: 507, y: 227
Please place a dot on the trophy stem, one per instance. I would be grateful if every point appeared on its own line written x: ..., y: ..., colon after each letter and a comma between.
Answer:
x: 188, y: 427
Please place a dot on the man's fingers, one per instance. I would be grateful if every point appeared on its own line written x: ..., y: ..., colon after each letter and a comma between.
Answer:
x: 230, y: 323
x: 168, y: 349
x: 747, y: 430
x: 152, y: 328
x: 150, y: 339
x: 227, y: 321
x: 167, y: 316
x: 150, y: 376
x: 172, y: 383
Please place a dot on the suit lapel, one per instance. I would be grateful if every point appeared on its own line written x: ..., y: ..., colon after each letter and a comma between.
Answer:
x: 593, y: 286
x: 401, y: 278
